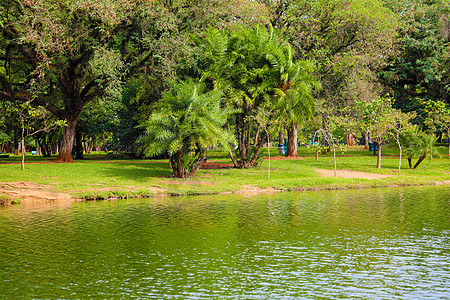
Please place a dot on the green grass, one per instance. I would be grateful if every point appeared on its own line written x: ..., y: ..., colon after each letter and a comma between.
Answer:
x: 98, y: 177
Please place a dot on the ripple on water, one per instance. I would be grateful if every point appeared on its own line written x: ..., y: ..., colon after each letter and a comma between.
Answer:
x: 390, y: 244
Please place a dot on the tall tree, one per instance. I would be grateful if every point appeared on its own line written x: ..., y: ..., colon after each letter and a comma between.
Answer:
x: 256, y: 69
x: 67, y: 47
x: 347, y: 39
x: 185, y: 123
x: 419, y: 72
x: 75, y: 51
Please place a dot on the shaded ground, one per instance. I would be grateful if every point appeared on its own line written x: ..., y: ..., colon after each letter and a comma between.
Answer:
x: 213, y: 165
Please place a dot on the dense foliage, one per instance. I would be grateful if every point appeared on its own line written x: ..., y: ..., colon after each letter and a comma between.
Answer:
x: 105, y: 70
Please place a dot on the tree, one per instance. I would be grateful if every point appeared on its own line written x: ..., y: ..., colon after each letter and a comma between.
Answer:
x: 294, y: 99
x: 400, y: 124
x: 255, y: 68
x: 330, y: 134
x: 69, y: 50
x: 348, y: 40
x: 443, y: 119
x: 4, y: 138
x: 32, y: 121
x: 419, y: 143
x: 186, y: 122
x: 419, y: 72
x: 98, y: 121
x: 380, y: 114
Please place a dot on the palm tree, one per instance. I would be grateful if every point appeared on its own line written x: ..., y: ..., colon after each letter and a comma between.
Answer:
x: 418, y: 143
x: 294, y: 96
x: 185, y: 123
x: 255, y: 68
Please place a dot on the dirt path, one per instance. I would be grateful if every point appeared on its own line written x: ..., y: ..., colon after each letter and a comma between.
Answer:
x: 351, y: 174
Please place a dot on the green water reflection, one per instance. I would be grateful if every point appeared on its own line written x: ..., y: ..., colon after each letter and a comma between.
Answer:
x: 378, y: 243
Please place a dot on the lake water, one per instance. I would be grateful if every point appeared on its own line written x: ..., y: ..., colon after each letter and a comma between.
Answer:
x: 371, y: 244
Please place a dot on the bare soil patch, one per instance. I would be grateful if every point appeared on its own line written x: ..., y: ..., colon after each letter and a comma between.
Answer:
x: 29, y: 192
x: 187, y: 182
x: 250, y: 189
x: 351, y: 174
x: 282, y: 158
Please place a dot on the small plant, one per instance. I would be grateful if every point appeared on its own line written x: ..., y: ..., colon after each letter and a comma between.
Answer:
x: 3, y: 199
x: 16, y: 201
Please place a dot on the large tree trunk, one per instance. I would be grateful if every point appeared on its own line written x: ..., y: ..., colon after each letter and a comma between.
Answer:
x: 65, y: 153
x: 291, y: 150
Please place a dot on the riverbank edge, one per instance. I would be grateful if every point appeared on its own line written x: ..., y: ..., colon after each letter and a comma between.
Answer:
x: 257, y: 190
x: 247, y: 190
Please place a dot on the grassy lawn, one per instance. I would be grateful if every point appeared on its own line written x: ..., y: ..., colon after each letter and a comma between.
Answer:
x: 99, y: 176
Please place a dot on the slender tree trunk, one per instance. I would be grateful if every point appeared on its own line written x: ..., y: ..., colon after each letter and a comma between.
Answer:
x: 240, y: 127
x: 23, y: 147
x: 179, y: 164
x: 317, y: 155
x: 79, y: 151
x: 105, y: 147
x: 65, y: 153
x: 400, y: 156
x: 258, y: 149
x: 46, y: 151
x: 366, y: 140
x: 421, y: 158
x: 197, y: 164
x: 324, y: 141
x: 16, y: 145
x: 282, y: 137
x: 448, y: 134
x: 257, y: 136
x: 291, y: 149
x: 379, y: 157
x: 249, y: 128
x: 268, y: 152
x: 334, y: 159
x: 410, y: 162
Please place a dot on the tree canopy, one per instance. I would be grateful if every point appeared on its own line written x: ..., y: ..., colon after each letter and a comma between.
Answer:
x: 105, y: 68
